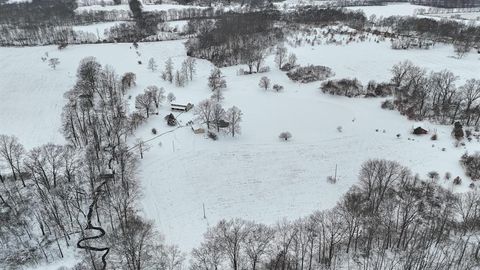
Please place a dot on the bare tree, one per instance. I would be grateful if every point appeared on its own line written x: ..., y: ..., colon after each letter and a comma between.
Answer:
x: 204, y: 111
x: 292, y: 59
x: 217, y: 95
x: 53, y: 63
x: 461, y: 48
x: 400, y: 71
x: 218, y: 115
x: 156, y: 94
x: 234, y: 117
x: 171, y: 97
x: 210, y: 253
x: 257, y: 242
x: 280, y: 55
x: 12, y: 152
x: 128, y: 81
x: 152, y: 64
x: 470, y: 93
x: 231, y: 236
x: 216, y: 80
x: 264, y: 83
x: 191, y: 66
x: 145, y: 102
x: 167, y: 73
x: 285, y: 135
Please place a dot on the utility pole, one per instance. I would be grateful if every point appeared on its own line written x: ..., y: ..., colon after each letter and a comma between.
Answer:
x: 204, y: 216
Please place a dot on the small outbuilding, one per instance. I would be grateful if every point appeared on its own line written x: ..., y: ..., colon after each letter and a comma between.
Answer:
x: 223, y: 124
x: 420, y: 131
x: 181, y: 107
x: 171, y: 120
x: 197, y: 129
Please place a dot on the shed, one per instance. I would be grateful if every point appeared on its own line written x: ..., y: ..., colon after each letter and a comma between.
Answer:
x: 171, y: 121
x: 197, y: 129
x: 181, y: 107
x: 420, y: 131
x: 223, y: 124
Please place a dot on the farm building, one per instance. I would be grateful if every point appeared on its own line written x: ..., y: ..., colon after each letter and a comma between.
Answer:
x: 420, y: 131
x: 197, y: 129
x: 181, y: 107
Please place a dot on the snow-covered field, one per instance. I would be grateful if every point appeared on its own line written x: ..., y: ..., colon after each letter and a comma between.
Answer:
x: 97, y: 29
x: 391, y: 9
x: 468, y: 17
x: 160, y: 7
x: 253, y: 176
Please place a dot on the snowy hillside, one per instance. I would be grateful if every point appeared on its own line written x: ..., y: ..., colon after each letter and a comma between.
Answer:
x: 239, y: 137
x: 254, y: 176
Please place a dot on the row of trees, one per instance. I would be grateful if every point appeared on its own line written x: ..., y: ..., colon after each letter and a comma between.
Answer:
x: 82, y: 194
x: 389, y: 220
x: 180, y: 77
x: 438, y: 30
x: 422, y: 95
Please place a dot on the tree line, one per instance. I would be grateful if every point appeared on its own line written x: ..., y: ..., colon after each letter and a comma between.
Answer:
x: 83, y: 194
x: 391, y: 219
x: 420, y: 94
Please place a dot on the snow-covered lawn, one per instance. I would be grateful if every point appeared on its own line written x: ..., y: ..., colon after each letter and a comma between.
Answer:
x: 253, y: 176
x: 97, y: 29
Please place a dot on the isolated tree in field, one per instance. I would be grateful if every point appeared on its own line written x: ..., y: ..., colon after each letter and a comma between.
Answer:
x: 264, y: 83
x: 285, y: 135
x: 53, y: 63
x: 216, y: 80
x: 190, y: 64
x: 152, y: 65
x: 171, y: 97
x: 167, y: 73
x: 145, y: 103
x: 234, y: 117
x: 218, y: 115
x: 280, y: 55
x: 204, y: 111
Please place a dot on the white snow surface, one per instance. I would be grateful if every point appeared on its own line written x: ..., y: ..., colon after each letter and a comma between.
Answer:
x: 97, y: 29
x: 390, y: 9
x: 255, y: 175
x: 159, y: 7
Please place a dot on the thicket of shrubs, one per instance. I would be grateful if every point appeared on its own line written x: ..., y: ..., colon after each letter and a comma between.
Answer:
x: 471, y: 164
x: 310, y: 73
x: 343, y: 87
